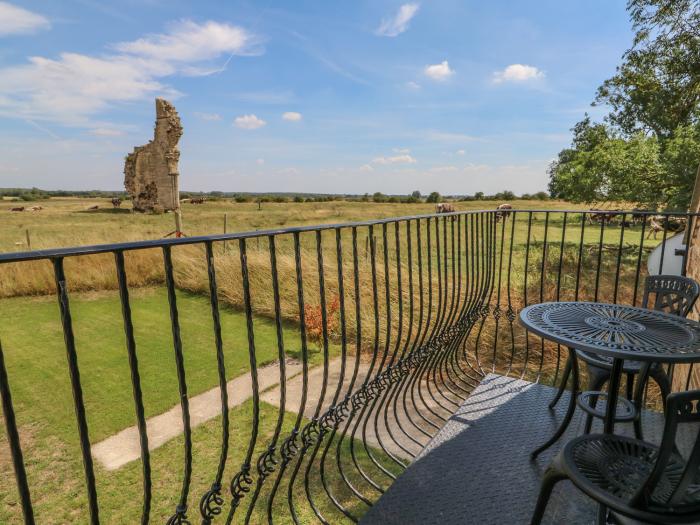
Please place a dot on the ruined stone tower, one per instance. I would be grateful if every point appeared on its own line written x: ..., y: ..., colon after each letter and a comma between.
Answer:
x: 151, y: 172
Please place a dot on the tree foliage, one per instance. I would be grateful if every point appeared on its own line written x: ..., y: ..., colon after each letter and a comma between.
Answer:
x: 648, y: 149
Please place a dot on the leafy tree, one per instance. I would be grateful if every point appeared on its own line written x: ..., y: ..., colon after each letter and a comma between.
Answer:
x: 504, y: 195
x: 433, y: 197
x: 657, y: 86
x: 379, y: 197
x: 648, y: 150
x: 479, y: 195
x: 416, y: 195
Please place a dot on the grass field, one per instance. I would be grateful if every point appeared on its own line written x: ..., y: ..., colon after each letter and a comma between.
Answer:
x: 35, y: 353
x: 67, y: 221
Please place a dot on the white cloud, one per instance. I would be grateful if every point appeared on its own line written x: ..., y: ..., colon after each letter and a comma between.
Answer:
x: 289, y: 171
x: 207, y: 116
x: 460, y: 152
x: 260, y: 162
x: 106, y: 132
x: 403, y: 151
x: 187, y: 41
x: 249, y: 122
x: 439, y: 71
x: 397, y: 24
x: 73, y: 87
x: 398, y: 159
x: 292, y: 116
x: 366, y: 167
x: 518, y: 73
x: 16, y: 20
x: 413, y: 85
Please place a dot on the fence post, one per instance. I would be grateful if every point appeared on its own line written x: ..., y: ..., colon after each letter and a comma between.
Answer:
x: 225, y: 228
x: 29, y: 240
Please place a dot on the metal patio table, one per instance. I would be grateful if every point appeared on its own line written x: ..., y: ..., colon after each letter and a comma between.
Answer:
x: 616, y: 331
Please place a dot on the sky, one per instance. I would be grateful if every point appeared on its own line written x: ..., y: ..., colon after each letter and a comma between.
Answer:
x: 455, y: 96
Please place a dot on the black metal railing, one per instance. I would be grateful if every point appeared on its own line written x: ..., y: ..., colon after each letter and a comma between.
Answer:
x: 394, y: 321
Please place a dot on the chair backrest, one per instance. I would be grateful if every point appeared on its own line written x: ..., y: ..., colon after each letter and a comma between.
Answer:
x: 673, y: 294
x: 673, y: 485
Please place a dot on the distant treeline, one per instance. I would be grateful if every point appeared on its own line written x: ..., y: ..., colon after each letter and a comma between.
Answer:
x: 34, y: 194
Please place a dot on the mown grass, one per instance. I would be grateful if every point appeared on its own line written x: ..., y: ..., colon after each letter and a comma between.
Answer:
x: 35, y: 356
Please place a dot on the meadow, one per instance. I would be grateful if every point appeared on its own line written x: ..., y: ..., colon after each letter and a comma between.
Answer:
x: 543, y: 257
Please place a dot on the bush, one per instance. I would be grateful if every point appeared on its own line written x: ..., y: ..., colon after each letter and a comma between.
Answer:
x: 433, y: 197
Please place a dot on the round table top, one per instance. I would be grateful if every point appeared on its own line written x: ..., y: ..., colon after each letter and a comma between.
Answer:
x: 616, y: 331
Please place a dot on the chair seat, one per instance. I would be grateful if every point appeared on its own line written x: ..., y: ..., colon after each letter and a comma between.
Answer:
x: 612, y: 468
x: 605, y: 362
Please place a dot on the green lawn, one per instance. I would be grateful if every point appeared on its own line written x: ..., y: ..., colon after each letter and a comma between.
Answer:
x: 33, y: 344
x: 35, y: 356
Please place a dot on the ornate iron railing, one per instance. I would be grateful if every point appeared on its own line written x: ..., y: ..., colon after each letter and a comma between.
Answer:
x: 396, y: 321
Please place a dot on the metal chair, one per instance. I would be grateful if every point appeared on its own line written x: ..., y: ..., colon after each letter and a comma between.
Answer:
x: 637, y: 481
x: 671, y: 294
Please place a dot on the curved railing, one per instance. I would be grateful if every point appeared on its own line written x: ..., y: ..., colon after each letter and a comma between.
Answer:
x: 375, y: 334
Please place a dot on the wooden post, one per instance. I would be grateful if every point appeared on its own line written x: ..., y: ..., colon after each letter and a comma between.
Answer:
x: 225, y: 228
x: 366, y: 246
x: 680, y: 374
x: 29, y: 240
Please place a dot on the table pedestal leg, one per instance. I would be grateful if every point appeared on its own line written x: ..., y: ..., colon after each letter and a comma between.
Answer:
x: 613, y: 387
x: 573, y: 363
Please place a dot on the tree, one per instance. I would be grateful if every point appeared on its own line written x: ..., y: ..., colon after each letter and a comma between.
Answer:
x: 416, y: 195
x: 657, y: 86
x: 479, y: 195
x: 648, y: 149
x: 379, y: 197
x: 433, y: 197
x: 504, y: 196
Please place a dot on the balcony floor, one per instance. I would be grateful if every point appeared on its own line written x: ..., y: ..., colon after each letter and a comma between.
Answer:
x: 477, y: 469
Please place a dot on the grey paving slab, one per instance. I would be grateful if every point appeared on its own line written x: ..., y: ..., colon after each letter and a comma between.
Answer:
x: 477, y: 468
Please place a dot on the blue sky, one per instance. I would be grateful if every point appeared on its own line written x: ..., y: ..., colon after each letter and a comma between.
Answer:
x: 320, y: 96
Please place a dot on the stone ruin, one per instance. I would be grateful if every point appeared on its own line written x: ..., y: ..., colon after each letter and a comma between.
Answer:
x: 151, y: 171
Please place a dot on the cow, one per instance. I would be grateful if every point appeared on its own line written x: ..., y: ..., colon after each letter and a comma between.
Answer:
x: 639, y: 216
x: 197, y: 200
x: 36, y: 208
x: 116, y: 202
x: 93, y: 208
x: 661, y: 223
x: 600, y: 215
x: 503, y: 211
x: 20, y: 208
x: 444, y: 207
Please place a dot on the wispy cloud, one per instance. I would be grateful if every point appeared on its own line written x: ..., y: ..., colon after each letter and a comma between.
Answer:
x: 15, y: 20
x: 74, y: 87
x: 518, y: 73
x: 292, y: 116
x: 397, y: 159
x: 398, y: 23
x: 106, y: 132
x: 439, y: 71
x: 312, y: 50
x: 249, y: 122
x: 207, y: 116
